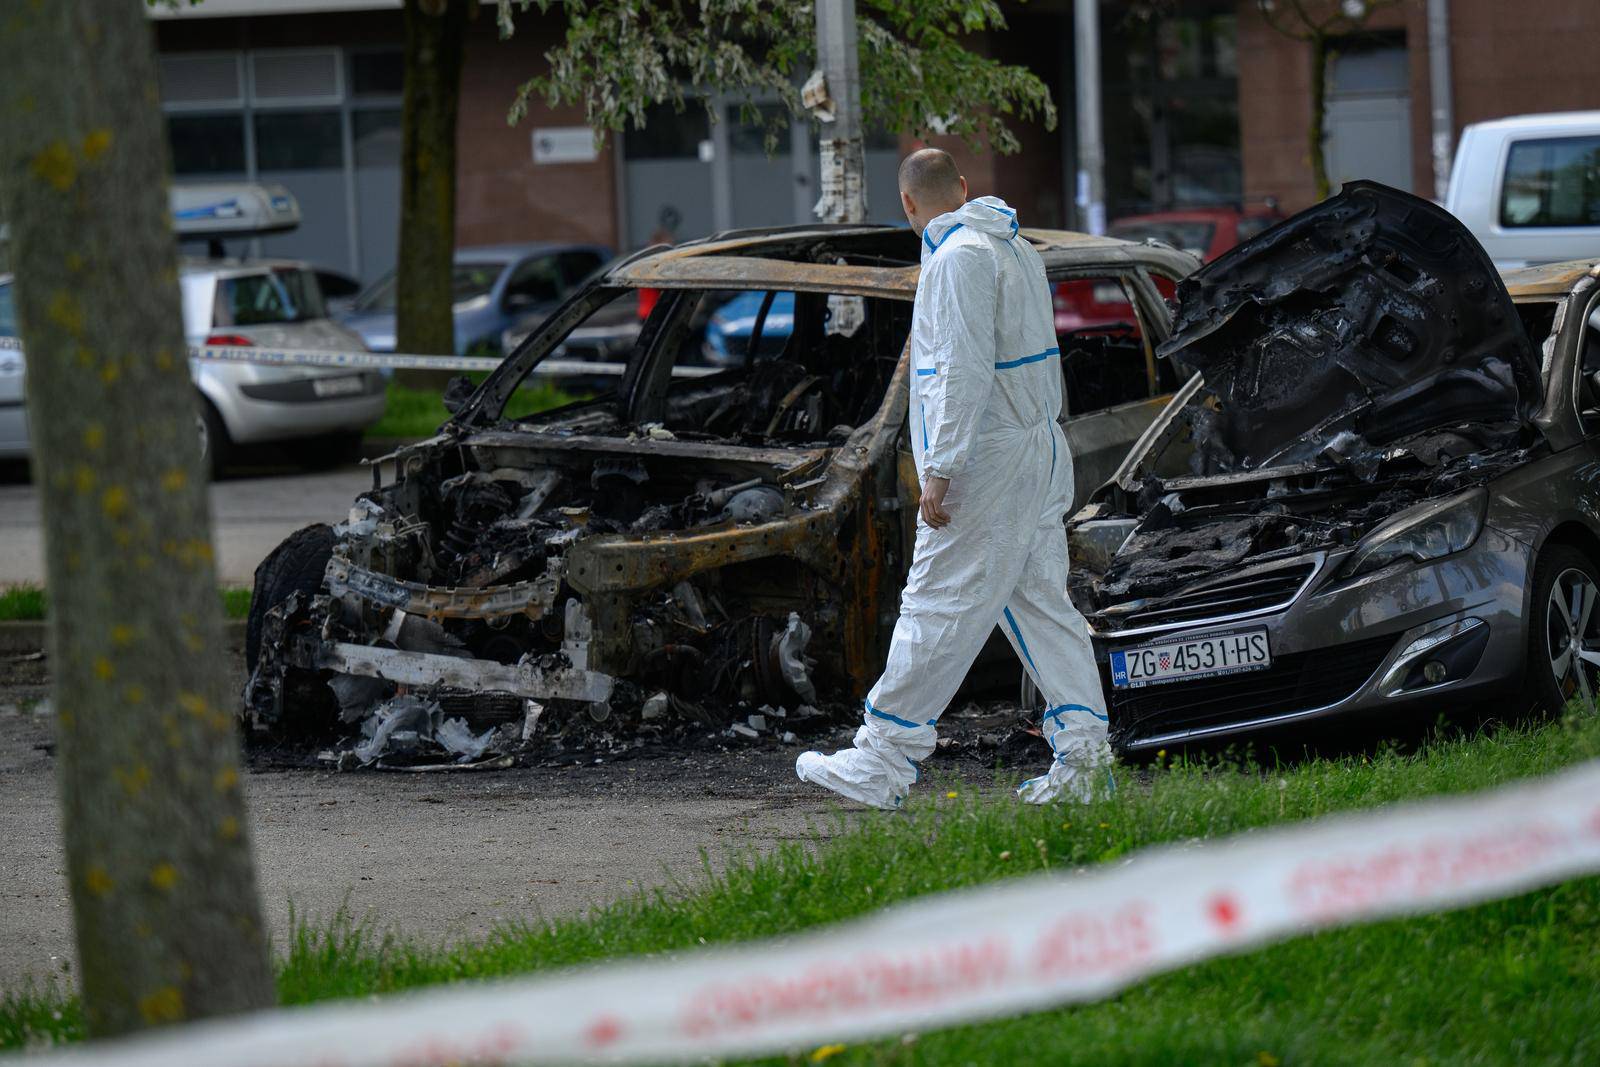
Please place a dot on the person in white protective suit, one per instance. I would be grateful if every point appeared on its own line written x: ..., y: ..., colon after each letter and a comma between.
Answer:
x: 991, y: 548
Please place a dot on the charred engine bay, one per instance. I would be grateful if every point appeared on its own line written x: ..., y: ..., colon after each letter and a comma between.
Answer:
x: 1350, y: 363
x: 1195, y: 531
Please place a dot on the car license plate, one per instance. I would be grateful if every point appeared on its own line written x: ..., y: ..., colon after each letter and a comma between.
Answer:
x: 337, y: 386
x: 1190, y: 657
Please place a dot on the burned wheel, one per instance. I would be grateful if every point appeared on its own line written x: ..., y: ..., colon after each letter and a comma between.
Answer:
x: 1564, y: 631
x: 295, y: 566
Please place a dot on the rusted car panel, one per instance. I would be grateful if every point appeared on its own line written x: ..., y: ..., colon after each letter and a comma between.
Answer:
x: 736, y: 537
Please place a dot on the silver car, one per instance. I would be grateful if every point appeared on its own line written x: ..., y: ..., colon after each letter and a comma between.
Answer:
x: 319, y: 411
x: 1378, y: 494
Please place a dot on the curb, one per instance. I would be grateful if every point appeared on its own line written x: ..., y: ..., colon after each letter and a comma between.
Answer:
x: 24, y: 637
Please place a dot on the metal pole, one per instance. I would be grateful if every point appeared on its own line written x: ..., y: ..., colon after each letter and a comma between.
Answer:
x: 1091, y: 152
x: 844, y: 164
x: 1440, y: 93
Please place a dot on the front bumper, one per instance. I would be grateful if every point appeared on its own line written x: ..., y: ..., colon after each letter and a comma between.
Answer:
x: 1337, y: 650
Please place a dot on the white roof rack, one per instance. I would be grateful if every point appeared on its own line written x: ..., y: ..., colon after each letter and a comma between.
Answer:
x: 233, y: 209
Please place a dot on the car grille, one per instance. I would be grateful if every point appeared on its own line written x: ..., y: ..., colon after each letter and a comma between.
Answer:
x: 1232, y: 596
x: 1295, y: 682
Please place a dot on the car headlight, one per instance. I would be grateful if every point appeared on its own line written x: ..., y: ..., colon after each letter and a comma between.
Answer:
x: 1422, y: 533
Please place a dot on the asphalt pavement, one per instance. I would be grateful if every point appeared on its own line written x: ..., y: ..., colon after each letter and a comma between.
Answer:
x: 249, y: 516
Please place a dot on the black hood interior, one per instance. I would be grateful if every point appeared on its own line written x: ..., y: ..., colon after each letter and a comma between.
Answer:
x: 1368, y: 319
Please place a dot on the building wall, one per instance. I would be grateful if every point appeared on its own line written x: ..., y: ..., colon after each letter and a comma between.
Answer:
x: 1514, y: 59
x: 1506, y: 59
x: 1275, y: 104
x: 502, y: 195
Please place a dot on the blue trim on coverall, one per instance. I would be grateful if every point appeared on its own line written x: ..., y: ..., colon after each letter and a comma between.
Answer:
x: 1011, y: 620
x: 897, y: 720
x: 1036, y: 357
x: 935, y: 247
x: 927, y: 372
x: 1056, y: 712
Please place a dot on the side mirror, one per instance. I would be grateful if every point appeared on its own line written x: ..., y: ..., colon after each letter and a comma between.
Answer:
x: 457, y: 392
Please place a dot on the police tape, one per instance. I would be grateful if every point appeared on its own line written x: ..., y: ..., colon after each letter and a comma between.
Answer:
x: 1024, y: 944
x: 316, y: 357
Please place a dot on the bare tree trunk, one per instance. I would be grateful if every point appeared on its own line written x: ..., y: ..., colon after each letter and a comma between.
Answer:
x: 435, y: 43
x: 1316, y: 135
x: 162, y: 883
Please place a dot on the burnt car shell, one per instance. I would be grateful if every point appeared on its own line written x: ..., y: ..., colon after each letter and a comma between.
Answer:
x: 1378, y: 446
x: 721, y: 534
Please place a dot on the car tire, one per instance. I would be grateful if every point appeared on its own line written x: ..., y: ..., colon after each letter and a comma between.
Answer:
x: 1562, y: 577
x: 216, y: 447
x: 295, y: 566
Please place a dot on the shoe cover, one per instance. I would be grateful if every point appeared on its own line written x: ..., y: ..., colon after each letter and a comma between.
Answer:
x: 871, y: 773
x: 1076, y: 778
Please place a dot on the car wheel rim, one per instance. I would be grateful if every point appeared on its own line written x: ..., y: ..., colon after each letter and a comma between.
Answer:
x: 1572, y: 629
x: 205, y: 436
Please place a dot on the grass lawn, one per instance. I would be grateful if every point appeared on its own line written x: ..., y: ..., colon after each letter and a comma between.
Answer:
x: 1515, y: 981
x: 419, y: 412
x: 28, y: 602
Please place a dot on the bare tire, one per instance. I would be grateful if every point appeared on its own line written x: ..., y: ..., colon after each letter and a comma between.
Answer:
x: 216, y: 447
x: 1564, y: 629
x: 295, y: 566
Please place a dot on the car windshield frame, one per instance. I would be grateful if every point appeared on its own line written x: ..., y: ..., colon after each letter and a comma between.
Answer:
x: 488, y: 402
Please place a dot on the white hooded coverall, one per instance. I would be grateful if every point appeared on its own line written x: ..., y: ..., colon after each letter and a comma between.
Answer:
x: 985, y: 397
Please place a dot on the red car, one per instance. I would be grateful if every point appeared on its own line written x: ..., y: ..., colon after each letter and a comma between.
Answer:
x: 1202, y: 232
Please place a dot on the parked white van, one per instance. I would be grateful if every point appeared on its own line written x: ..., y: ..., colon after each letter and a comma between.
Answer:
x: 1528, y: 187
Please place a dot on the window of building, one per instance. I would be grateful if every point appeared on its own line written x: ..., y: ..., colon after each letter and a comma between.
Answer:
x: 380, y: 73
x: 211, y: 145
x: 1552, y: 181
x: 298, y: 140
x: 1171, y: 105
x: 324, y: 122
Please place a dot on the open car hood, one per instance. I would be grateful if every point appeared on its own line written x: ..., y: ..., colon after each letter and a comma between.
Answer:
x: 1369, y: 319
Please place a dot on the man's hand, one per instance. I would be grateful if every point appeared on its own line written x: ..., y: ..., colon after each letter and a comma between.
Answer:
x: 932, y: 507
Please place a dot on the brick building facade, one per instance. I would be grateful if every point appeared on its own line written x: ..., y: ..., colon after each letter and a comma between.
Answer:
x: 1201, y: 102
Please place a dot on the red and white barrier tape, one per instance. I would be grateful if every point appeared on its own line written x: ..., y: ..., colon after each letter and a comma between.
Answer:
x: 1001, y: 949
x: 316, y: 357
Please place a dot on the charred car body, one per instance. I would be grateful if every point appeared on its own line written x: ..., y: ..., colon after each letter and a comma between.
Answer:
x: 1378, y: 491
x: 720, y: 534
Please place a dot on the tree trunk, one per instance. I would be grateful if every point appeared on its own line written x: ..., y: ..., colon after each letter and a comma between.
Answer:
x: 435, y: 44
x: 1319, y: 111
x: 153, y: 818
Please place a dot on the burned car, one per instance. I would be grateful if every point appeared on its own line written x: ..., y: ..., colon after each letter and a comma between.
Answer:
x: 716, y: 534
x: 1377, y: 492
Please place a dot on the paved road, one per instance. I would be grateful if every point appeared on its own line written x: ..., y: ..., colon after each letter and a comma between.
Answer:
x: 249, y: 516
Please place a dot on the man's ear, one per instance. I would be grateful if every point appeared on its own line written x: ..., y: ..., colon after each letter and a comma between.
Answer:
x: 907, y: 203
x: 963, y: 188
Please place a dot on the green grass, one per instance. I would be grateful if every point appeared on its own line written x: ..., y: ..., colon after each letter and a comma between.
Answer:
x: 419, y: 412
x: 29, y: 602
x: 1514, y: 981
x: 18, y: 602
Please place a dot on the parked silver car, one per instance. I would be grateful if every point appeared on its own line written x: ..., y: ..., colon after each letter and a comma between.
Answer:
x: 1378, y: 493
x: 272, y: 304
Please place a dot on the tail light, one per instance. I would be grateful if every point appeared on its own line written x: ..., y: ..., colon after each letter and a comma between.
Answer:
x: 229, y: 340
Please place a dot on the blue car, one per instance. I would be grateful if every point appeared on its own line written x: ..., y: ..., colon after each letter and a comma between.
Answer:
x: 494, y: 287
x: 730, y: 326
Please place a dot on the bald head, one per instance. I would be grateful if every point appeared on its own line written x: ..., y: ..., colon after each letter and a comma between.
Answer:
x: 930, y: 185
